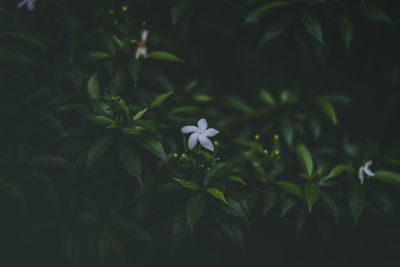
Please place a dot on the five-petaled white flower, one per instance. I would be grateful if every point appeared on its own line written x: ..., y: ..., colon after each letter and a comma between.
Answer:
x: 142, y: 49
x: 365, y: 169
x: 30, y: 4
x: 200, y: 133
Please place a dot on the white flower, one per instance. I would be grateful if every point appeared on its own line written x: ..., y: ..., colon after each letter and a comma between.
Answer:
x: 142, y: 49
x: 365, y: 169
x: 200, y: 133
x: 30, y: 4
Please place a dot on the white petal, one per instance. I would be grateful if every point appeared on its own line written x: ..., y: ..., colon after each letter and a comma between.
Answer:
x: 143, y: 52
x: 210, y: 132
x: 367, y: 164
x: 368, y: 172
x: 189, y: 129
x: 202, y: 123
x: 360, y: 173
x: 205, y: 142
x: 22, y: 3
x: 144, y: 35
x: 31, y: 5
x: 138, y: 52
x: 193, y: 140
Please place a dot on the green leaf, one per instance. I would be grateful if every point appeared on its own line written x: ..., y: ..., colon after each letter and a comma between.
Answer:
x: 214, y: 172
x: 101, y: 107
x: 48, y: 161
x: 187, y: 184
x: 49, y: 120
x: 179, y: 230
x: 235, y: 232
x: 134, y: 69
x: 132, y: 230
x: 339, y: 169
x: 311, y: 193
x: 131, y: 161
x: 164, y: 56
x: 104, y: 240
x: 237, y: 209
x: 134, y: 130
x: 124, y: 107
x: 93, y: 87
x: 100, y: 119
x: 376, y: 14
x: 287, y: 204
x: 287, y: 129
x: 387, y: 177
x: 100, y: 55
x: 275, y: 29
x: 327, y: 107
x: 267, y: 98
x: 10, y: 190
x: 139, y: 114
x: 178, y: 10
x: 154, y: 146
x: 257, y: 14
x: 237, y: 179
x: 67, y: 242
x: 217, y: 194
x: 78, y: 107
x: 290, y: 188
x: 313, y: 26
x: 269, y: 200
x: 194, y: 209
x: 328, y: 202
x: 356, y: 195
x: 25, y: 38
x: 304, y: 157
x: 160, y: 99
x: 97, y: 149
x: 346, y: 29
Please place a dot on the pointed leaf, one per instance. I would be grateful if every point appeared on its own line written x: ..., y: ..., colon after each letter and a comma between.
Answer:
x: 194, y: 209
x: 257, y: 14
x: 327, y: 107
x: 48, y: 160
x: 237, y: 179
x: 93, y: 87
x: 217, y: 194
x: 304, y: 157
x: 356, y: 195
x: 160, y: 99
x: 101, y: 119
x: 164, y: 56
x: 290, y: 188
x: 275, y: 29
x: 154, y: 146
x: 131, y: 229
x: 178, y: 10
x: 313, y: 26
x: 339, y: 169
x: 387, y: 177
x: 97, y: 150
x: 311, y: 193
x: 131, y: 161
x: 104, y: 240
x: 139, y: 114
x: 270, y: 199
x: 346, y: 29
x: 187, y: 184
x: 29, y: 39
x: 376, y: 14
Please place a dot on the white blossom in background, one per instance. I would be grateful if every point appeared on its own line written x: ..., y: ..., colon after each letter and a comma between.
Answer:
x: 200, y: 133
x: 30, y: 4
x: 142, y: 49
x: 365, y: 169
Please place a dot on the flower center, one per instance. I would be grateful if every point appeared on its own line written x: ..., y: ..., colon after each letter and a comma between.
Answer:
x: 201, y: 132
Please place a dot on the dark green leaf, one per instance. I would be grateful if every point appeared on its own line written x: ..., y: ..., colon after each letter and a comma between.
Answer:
x: 237, y: 179
x: 387, y: 177
x: 267, y: 98
x: 155, y: 147
x: 194, y: 209
x: 311, y: 193
x: 269, y: 200
x: 160, y: 99
x: 356, y: 195
x: 313, y: 26
x: 104, y: 240
x: 214, y: 172
x: 187, y: 184
x: 131, y: 161
x: 257, y: 14
x: 328, y: 109
x: 287, y: 129
x: 290, y: 188
x: 304, y: 157
x: 67, y: 241
x: 346, y: 29
x: 132, y: 230
x: 97, y: 150
x: 101, y: 119
x: 287, y: 204
x: 134, y: 69
x: 164, y: 56
x: 339, y: 169
x: 217, y: 194
x: 178, y: 10
x: 275, y: 29
x: 100, y: 55
x: 330, y: 204
x: 139, y: 114
x: 93, y: 87
x: 29, y: 39
x: 376, y: 14
x: 48, y: 160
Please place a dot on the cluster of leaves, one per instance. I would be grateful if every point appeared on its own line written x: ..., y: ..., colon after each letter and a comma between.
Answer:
x: 103, y: 158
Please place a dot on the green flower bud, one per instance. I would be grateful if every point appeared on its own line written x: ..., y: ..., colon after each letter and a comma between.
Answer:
x: 124, y: 8
x: 175, y: 155
x: 216, y: 143
x: 276, y: 152
x: 257, y: 137
x: 265, y: 151
x: 276, y: 137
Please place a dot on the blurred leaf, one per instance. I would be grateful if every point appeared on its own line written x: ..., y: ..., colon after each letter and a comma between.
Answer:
x: 131, y: 161
x: 339, y: 169
x: 101, y: 119
x: 290, y: 188
x: 131, y: 229
x: 101, y: 107
x: 311, y: 193
x: 10, y: 189
x: 305, y: 159
x: 269, y: 200
x: 93, y: 87
x: 287, y: 204
x: 236, y: 209
x: 134, y: 130
x: 67, y: 242
x: 313, y: 26
x: 164, y: 56
x: 155, y: 147
x: 346, y: 29
x: 134, y: 69
x: 387, y: 177
x: 178, y: 10
x: 330, y: 204
x: 139, y: 114
x: 328, y: 109
x: 267, y: 98
x: 275, y: 29
x: 314, y: 125
x: 356, y: 195
x: 260, y: 12
x: 235, y: 232
x: 237, y: 179
x: 97, y: 150
x: 214, y: 172
x: 99, y: 55
x: 78, y: 107
x: 187, y: 184
x: 124, y: 107
x: 375, y: 14
x: 29, y: 39
x: 194, y: 209
x: 48, y: 160
x: 179, y: 229
x: 287, y: 129
x: 49, y: 120
x: 104, y: 240
x: 217, y: 194
x: 160, y: 99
